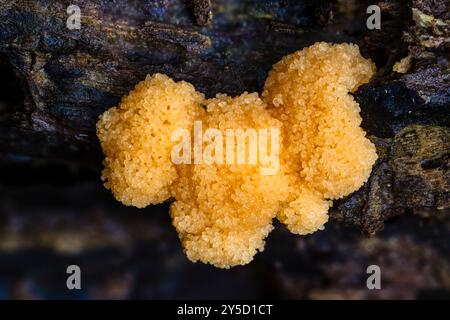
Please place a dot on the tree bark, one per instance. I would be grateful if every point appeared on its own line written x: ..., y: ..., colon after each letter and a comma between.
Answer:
x: 54, y: 82
x: 57, y: 81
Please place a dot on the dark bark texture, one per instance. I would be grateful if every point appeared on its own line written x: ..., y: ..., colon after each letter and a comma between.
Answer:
x: 54, y: 82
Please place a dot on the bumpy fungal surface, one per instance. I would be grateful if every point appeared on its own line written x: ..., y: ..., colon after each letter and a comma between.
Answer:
x: 308, y: 91
x: 135, y: 139
x: 224, y: 211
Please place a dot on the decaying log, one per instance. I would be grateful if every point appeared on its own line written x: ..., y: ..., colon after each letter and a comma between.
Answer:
x: 55, y: 81
x: 69, y: 77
